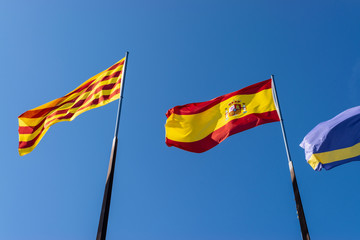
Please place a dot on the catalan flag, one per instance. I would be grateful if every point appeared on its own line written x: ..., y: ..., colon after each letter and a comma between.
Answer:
x: 99, y: 90
x: 334, y: 142
x: 198, y: 127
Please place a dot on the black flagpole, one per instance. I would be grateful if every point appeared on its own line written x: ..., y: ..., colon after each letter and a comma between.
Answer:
x: 101, y: 234
x: 299, y: 207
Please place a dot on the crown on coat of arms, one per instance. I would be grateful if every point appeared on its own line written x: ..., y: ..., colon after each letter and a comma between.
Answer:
x: 235, y: 108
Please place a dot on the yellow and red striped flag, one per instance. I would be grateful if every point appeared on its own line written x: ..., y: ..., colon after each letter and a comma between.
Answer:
x: 99, y: 90
x: 198, y: 127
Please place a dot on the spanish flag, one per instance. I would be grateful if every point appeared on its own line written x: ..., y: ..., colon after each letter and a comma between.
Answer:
x: 99, y: 90
x: 198, y: 127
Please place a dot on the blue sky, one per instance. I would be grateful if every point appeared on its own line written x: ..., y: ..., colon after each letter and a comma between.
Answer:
x: 180, y: 52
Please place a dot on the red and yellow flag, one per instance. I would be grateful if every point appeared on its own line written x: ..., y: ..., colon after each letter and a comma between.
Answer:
x: 99, y: 90
x: 198, y: 127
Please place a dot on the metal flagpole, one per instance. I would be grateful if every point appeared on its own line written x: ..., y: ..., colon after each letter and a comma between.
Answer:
x: 101, y: 234
x: 299, y: 207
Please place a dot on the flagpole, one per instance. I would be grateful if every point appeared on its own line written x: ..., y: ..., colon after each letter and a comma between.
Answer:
x: 101, y: 234
x: 299, y: 207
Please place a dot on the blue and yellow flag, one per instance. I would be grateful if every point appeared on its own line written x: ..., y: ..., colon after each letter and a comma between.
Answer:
x: 334, y: 142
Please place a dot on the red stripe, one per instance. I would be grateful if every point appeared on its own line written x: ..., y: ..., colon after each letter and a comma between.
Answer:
x: 26, y: 144
x: 116, y: 65
x: 233, y: 127
x: 31, y: 129
x: 42, y: 112
x: 194, y: 108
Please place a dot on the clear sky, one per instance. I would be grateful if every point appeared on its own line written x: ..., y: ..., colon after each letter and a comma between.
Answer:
x: 180, y: 52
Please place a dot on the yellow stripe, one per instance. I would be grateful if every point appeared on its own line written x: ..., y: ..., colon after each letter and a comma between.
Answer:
x: 190, y: 128
x: 313, y: 162
x: 24, y: 122
x: 335, y: 155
